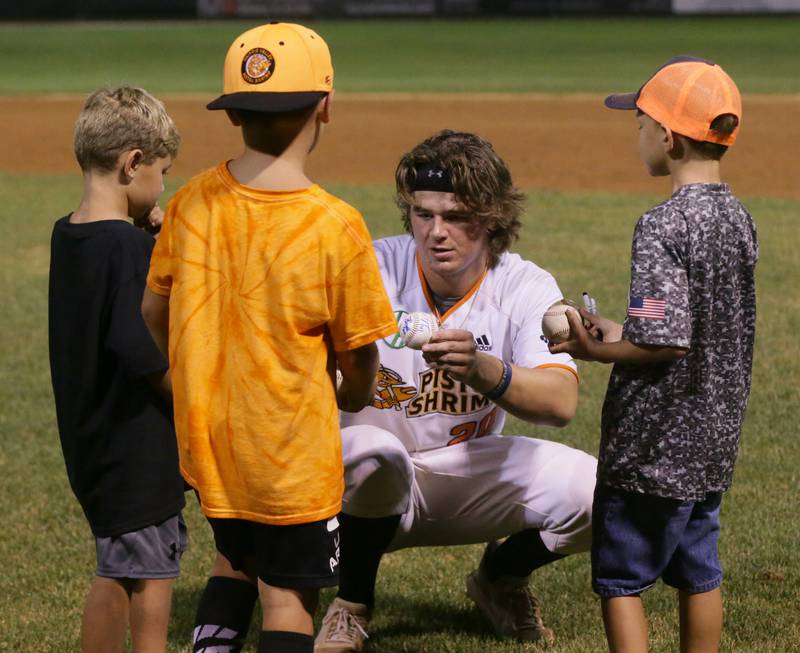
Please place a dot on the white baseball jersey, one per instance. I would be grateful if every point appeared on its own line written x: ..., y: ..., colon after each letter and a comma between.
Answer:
x: 426, y: 409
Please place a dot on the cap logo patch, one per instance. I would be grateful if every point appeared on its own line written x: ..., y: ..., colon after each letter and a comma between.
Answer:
x: 257, y: 66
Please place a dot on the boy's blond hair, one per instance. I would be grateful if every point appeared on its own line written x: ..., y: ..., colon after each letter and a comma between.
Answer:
x: 116, y: 120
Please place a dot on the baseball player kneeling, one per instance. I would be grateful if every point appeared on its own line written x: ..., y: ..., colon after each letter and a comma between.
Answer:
x: 425, y: 464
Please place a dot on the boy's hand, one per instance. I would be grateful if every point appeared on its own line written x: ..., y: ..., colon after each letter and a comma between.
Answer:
x: 601, y: 327
x: 584, y: 345
x: 583, y: 342
x: 151, y: 222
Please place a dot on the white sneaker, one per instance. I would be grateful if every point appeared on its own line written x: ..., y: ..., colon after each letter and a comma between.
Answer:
x: 509, y: 604
x: 344, y: 627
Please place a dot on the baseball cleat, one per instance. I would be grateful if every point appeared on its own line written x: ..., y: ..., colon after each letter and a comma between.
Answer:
x: 509, y: 604
x: 344, y: 627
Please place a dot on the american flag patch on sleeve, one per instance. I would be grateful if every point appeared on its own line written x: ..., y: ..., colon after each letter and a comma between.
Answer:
x: 647, y: 307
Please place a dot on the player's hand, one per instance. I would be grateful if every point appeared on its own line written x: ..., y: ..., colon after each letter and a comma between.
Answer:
x: 454, y: 351
x: 151, y: 221
x: 601, y: 327
x: 582, y: 343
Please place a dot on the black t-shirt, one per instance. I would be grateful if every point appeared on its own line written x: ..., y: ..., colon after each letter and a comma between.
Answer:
x: 116, y: 431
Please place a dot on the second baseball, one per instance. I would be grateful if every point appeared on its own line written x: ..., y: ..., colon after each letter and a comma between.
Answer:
x: 555, y: 325
x: 417, y: 328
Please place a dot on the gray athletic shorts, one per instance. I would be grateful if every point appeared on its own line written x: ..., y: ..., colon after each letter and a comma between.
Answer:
x: 151, y: 552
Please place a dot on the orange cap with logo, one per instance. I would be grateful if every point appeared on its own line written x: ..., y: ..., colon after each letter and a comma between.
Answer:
x: 276, y: 67
x: 686, y: 94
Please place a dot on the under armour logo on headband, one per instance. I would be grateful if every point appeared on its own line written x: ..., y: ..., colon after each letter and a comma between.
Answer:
x: 432, y: 177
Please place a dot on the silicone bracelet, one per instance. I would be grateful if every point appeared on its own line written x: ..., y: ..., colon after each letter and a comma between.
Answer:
x: 502, y: 386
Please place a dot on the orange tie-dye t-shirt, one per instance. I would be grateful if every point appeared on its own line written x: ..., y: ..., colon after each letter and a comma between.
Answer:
x: 262, y: 285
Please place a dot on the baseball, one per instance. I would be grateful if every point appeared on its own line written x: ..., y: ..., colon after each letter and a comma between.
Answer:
x: 555, y: 326
x: 417, y: 328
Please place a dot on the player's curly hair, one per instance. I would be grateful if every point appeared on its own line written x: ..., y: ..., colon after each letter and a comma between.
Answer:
x: 481, y: 182
x: 115, y: 120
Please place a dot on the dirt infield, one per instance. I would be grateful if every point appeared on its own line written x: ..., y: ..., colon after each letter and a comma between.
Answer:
x: 552, y: 142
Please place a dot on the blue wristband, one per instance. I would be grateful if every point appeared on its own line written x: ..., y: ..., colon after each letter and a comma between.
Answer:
x: 502, y: 386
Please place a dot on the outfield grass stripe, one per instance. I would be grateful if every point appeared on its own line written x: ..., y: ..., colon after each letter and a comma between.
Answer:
x: 521, y: 55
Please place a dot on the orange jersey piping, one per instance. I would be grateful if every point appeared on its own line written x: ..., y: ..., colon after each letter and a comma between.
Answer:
x: 454, y: 307
x: 563, y: 367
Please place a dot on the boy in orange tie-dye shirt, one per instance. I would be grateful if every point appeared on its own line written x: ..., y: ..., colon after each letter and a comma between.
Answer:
x: 260, y: 283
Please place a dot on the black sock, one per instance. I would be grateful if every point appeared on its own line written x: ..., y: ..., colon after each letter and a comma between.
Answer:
x: 224, y: 613
x: 364, y: 542
x: 282, y: 641
x: 519, y: 555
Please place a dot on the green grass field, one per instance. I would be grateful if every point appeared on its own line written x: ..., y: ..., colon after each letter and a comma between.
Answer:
x: 544, y: 55
x: 584, y: 239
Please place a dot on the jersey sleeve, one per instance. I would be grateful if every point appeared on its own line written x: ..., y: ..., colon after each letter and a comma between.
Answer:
x: 529, y: 346
x: 159, y: 278
x: 658, y: 303
x: 359, y: 306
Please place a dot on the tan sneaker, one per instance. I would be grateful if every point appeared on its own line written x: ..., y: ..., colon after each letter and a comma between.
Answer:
x: 344, y: 627
x: 509, y: 604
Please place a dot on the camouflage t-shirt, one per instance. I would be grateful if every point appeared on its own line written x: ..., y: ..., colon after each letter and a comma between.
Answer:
x: 672, y: 429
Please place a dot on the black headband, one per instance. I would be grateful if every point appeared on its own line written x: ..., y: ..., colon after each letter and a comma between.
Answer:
x: 431, y: 177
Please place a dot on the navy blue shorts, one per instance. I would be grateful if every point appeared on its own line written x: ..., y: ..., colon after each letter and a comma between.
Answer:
x: 639, y: 538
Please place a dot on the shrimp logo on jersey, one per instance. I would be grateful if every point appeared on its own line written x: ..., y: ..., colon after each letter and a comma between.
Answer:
x: 439, y: 393
x: 391, y: 392
x: 257, y: 66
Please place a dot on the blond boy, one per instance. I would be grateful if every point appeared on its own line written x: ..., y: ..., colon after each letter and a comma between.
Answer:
x: 115, y: 427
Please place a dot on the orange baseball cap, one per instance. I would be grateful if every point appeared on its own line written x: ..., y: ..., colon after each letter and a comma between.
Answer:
x: 276, y: 67
x: 686, y: 94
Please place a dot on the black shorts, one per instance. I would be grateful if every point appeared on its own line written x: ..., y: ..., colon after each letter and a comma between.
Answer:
x: 296, y: 556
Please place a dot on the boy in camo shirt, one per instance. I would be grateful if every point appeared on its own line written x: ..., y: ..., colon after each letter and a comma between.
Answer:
x: 677, y: 394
